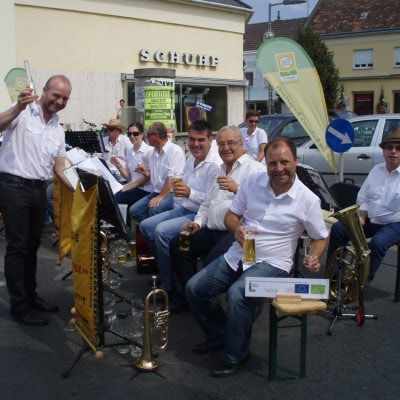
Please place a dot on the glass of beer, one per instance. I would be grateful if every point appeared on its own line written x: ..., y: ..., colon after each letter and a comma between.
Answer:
x: 174, y: 179
x: 249, y: 246
x: 184, y: 241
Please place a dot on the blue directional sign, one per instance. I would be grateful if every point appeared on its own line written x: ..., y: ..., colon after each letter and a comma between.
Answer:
x: 340, y: 135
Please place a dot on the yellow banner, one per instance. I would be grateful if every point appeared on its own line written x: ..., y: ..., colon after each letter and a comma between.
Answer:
x: 62, y: 204
x: 84, y: 260
x: 290, y: 71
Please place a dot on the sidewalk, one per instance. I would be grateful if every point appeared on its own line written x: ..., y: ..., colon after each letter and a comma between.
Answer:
x: 354, y: 363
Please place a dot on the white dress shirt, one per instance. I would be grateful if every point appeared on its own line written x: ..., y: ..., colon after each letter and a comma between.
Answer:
x: 167, y: 162
x: 119, y: 150
x: 279, y: 220
x: 139, y: 156
x: 200, y: 179
x: 252, y: 142
x: 30, y: 145
x: 380, y: 195
x: 212, y: 211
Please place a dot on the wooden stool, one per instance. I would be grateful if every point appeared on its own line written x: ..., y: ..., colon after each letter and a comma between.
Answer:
x: 282, y: 307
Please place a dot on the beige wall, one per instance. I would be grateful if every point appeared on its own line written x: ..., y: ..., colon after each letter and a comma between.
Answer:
x: 93, y: 42
x: 382, y: 75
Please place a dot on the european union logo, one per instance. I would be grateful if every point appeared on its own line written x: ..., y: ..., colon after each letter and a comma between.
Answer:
x: 301, y: 288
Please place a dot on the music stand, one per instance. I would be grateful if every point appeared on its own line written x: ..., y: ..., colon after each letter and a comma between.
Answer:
x: 90, y: 141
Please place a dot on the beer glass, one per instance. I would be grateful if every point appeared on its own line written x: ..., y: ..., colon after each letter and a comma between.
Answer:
x: 249, y: 246
x: 176, y: 178
x: 308, y: 256
x: 184, y: 239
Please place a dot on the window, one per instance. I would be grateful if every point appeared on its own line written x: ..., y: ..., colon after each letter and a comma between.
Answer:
x: 364, y: 131
x: 397, y: 56
x: 390, y: 126
x: 363, y: 59
x: 249, y: 76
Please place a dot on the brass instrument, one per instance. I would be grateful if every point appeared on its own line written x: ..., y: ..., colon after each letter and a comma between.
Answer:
x: 355, y: 261
x: 105, y: 256
x: 154, y: 320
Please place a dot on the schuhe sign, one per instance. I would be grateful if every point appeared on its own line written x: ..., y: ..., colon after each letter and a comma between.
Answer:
x: 173, y: 57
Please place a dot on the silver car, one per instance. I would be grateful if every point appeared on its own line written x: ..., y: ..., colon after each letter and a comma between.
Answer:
x: 362, y: 156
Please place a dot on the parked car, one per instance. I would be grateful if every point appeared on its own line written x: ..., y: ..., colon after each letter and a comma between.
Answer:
x: 362, y: 156
x: 341, y: 114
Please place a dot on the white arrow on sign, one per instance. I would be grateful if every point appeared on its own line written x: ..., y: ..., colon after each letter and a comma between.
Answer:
x: 345, y: 138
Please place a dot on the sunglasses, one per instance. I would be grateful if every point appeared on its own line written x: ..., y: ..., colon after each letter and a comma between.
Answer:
x: 254, y: 121
x: 135, y: 133
x: 391, y: 147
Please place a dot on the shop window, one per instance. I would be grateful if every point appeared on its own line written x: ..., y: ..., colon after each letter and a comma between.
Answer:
x: 249, y: 76
x: 397, y: 57
x: 363, y: 59
x: 186, y: 109
x: 130, y: 94
x: 363, y: 103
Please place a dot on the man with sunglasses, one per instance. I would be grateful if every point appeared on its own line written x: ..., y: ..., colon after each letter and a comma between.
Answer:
x: 254, y: 138
x: 380, y: 206
x: 117, y: 145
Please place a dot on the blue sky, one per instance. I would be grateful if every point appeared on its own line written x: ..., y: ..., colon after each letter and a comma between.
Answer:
x: 260, y: 8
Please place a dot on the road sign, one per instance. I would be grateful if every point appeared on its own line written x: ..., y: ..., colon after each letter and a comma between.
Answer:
x: 340, y: 135
x: 203, y: 106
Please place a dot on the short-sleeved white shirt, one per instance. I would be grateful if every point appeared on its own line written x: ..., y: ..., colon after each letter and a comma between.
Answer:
x: 167, y: 162
x: 380, y: 195
x: 119, y: 150
x: 279, y: 220
x: 30, y: 145
x: 252, y: 142
x: 134, y: 157
x: 200, y: 179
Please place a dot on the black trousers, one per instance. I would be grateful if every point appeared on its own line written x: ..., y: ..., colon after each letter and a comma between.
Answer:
x: 206, y: 243
x: 22, y: 203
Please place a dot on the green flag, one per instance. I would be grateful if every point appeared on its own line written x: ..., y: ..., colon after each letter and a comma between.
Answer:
x: 16, y: 81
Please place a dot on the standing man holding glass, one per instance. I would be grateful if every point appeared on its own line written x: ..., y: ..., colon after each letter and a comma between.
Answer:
x: 278, y: 207
x: 33, y: 147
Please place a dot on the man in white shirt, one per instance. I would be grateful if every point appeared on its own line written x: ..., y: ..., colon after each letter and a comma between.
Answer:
x: 278, y: 208
x: 254, y: 138
x: 117, y: 146
x: 166, y: 160
x: 380, y: 206
x: 199, y: 175
x: 209, y: 237
x: 33, y: 147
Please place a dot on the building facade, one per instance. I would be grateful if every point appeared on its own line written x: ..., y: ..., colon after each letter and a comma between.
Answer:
x: 365, y: 41
x: 99, y: 44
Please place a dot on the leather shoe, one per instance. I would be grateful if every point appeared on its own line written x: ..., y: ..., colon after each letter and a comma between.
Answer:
x: 206, y: 347
x: 227, y: 369
x: 28, y: 316
x: 39, y: 304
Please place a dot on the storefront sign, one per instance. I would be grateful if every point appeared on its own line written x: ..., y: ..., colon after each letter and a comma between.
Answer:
x: 173, y: 57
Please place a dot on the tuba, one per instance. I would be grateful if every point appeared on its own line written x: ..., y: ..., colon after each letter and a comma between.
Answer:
x: 354, y: 261
x: 155, y: 320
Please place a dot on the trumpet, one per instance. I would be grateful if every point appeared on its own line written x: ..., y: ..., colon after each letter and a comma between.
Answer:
x: 154, y: 320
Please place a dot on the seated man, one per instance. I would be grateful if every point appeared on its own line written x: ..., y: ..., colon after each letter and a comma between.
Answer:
x: 209, y: 236
x: 380, y: 206
x: 117, y: 145
x: 279, y: 208
x: 199, y: 174
x: 167, y: 159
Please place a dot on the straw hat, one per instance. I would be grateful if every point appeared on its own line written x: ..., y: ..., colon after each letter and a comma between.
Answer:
x: 115, y: 123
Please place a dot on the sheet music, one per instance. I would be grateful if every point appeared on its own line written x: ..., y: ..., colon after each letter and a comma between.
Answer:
x: 77, y: 155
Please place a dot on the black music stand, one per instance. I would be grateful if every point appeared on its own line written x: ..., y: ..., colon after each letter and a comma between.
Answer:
x: 90, y: 141
x: 108, y: 211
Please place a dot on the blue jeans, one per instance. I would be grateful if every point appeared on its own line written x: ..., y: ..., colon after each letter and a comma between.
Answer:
x: 158, y: 231
x: 232, y: 328
x: 141, y: 210
x: 382, y: 238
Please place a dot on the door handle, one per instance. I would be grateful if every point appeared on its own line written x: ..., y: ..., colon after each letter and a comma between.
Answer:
x: 363, y: 157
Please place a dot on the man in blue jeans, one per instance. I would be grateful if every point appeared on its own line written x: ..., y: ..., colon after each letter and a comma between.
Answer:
x: 277, y: 208
x: 165, y: 161
x: 379, y: 212
x: 200, y: 172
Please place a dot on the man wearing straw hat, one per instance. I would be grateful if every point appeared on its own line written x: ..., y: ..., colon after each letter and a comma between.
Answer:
x: 117, y: 146
x: 380, y: 206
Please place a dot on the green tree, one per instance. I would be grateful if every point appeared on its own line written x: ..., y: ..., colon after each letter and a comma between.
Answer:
x: 323, y: 61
